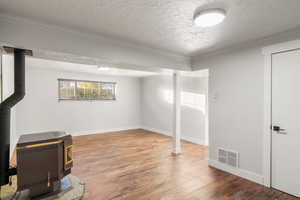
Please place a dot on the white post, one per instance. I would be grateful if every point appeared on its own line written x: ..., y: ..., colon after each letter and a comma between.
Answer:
x: 176, y: 113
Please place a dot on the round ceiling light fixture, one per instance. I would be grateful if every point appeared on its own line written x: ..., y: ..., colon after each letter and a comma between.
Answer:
x: 209, y: 17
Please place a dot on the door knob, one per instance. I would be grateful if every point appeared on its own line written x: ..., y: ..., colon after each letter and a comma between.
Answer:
x: 279, y: 130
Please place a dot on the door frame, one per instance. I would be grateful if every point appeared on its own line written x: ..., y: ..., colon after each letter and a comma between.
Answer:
x: 268, y: 52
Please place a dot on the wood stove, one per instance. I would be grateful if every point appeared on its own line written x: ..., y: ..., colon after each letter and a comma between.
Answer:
x: 43, y: 159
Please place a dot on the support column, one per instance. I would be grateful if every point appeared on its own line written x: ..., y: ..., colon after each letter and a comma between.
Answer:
x: 176, y: 113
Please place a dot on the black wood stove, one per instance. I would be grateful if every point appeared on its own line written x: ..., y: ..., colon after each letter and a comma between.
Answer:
x: 43, y: 159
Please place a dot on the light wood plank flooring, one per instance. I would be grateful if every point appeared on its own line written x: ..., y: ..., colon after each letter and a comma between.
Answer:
x: 138, y: 165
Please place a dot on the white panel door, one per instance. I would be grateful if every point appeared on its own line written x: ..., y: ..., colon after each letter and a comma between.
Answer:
x: 286, y: 122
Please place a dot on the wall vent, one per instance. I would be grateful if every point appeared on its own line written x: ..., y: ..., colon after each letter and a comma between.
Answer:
x: 228, y: 157
x: 222, y: 157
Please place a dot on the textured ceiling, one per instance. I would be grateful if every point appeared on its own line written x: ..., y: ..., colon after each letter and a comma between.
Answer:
x: 163, y: 24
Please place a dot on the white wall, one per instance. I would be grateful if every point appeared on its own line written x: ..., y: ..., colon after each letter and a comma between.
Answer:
x: 156, y: 95
x: 40, y: 110
x: 236, y: 106
x: 141, y: 102
x: 236, y: 101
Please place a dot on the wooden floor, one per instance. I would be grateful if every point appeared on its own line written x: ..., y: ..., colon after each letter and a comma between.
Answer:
x: 138, y: 165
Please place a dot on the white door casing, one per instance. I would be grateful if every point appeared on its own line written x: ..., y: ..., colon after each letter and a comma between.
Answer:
x: 269, y: 52
x: 285, y: 145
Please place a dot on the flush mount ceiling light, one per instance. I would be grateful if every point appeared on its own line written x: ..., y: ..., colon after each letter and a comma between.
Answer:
x: 209, y: 17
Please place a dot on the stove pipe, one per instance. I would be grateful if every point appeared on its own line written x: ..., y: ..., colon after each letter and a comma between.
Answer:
x: 5, y: 110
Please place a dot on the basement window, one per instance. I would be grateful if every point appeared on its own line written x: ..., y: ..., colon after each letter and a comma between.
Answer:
x: 86, y: 90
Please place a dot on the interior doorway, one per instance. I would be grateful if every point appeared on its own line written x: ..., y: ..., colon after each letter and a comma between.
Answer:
x: 285, y: 119
x: 281, y: 138
x: 194, y: 107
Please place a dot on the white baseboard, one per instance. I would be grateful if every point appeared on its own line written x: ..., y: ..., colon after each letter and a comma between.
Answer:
x: 102, y: 131
x: 169, y: 133
x: 251, y: 176
x: 79, y: 133
x: 193, y: 140
x: 163, y: 132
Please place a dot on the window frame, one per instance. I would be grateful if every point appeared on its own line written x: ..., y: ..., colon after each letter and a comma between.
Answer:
x: 76, y: 97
